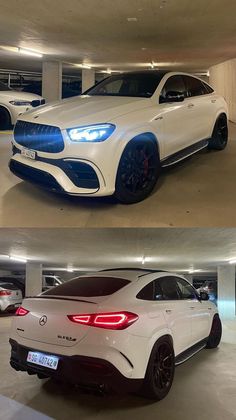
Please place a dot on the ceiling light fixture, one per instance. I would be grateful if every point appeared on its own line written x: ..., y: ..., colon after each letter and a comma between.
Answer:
x: 232, y: 261
x: 132, y: 19
x: 70, y: 270
x: 29, y: 52
x: 19, y: 259
x: 152, y: 65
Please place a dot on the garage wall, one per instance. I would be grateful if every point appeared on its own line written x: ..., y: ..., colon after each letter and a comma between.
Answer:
x: 223, y: 80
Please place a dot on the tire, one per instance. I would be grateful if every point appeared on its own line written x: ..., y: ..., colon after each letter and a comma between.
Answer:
x: 138, y: 171
x: 160, y: 371
x: 219, y: 137
x: 5, y: 119
x: 215, y: 333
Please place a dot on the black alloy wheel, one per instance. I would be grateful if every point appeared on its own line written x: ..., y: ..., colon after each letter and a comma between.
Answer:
x: 219, y: 138
x: 160, y: 371
x: 138, y: 171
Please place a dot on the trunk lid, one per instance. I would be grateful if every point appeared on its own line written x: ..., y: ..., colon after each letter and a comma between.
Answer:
x: 47, y: 320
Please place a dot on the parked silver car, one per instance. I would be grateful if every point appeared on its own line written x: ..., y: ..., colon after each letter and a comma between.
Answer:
x: 10, y: 297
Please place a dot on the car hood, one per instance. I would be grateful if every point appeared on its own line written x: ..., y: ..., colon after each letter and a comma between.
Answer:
x: 84, y: 110
x: 14, y: 94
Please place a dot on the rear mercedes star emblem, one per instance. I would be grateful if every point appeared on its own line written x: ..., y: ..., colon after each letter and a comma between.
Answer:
x: 43, y: 320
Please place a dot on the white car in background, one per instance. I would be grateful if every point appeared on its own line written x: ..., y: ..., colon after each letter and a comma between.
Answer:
x: 125, y: 329
x: 116, y: 137
x: 14, y: 103
x: 10, y: 297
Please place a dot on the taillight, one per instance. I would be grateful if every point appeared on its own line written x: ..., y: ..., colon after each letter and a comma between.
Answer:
x: 109, y: 320
x: 5, y: 292
x: 21, y: 311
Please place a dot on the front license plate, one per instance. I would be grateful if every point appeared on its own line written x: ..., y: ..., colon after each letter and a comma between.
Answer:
x: 31, y: 154
x: 42, y: 359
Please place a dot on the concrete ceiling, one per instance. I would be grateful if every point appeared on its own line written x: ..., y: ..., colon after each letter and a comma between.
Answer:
x: 179, y: 34
x: 91, y: 249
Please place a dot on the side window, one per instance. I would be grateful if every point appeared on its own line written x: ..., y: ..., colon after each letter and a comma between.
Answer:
x: 208, y: 88
x: 186, y: 290
x: 152, y: 291
x: 147, y: 293
x: 174, y: 84
x: 194, y: 86
x: 169, y: 288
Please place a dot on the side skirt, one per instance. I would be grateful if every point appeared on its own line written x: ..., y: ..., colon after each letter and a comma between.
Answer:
x: 187, y: 354
x: 184, y: 153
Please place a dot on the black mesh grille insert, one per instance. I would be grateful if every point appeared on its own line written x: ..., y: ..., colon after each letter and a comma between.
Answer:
x: 44, y: 138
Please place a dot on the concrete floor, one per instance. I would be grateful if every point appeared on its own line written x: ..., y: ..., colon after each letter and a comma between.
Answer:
x: 197, y: 192
x: 203, y: 389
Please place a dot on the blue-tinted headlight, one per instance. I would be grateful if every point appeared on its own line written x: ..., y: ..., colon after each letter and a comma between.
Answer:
x: 91, y: 133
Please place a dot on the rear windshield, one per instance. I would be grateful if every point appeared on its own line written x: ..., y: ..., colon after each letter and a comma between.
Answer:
x: 8, y: 286
x: 88, y: 287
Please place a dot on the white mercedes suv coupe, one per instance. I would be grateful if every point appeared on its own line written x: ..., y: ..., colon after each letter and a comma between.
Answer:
x: 116, y: 137
x: 124, y: 329
x: 13, y: 104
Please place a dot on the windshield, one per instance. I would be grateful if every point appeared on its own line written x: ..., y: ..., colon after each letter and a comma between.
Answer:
x: 141, y: 84
x: 4, y: 87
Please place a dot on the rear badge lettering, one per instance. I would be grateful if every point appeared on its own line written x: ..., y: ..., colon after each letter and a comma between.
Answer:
x: 64, y: 337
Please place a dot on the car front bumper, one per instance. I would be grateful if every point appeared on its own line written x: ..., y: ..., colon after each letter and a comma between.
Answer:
x: 79, y: 370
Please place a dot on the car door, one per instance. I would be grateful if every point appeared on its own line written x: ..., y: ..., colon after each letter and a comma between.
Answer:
x: 201, y: 108
x: 199, y: 311
x: 176, y: 312
x: 176, y: 123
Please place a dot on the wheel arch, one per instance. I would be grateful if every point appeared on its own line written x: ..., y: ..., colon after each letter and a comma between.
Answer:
x: 161, y: 334
x: 7, y: 109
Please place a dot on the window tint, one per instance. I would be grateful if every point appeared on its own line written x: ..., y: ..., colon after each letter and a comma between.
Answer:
x: 169, y: 288
x: 186, y: 290
x: 128, y: 84
x: 174, y: 84
x: 88, y: 287
x: 208, y: 88
x: 147, y: 293
x: 194, y: 86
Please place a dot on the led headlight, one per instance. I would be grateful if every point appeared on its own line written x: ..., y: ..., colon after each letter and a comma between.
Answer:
x: 20, y: 103
x: 91, y: 133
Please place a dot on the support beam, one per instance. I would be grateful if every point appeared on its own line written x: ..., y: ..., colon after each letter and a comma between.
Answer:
x: 226, y: 291
x: 52, y: 80
x: 33, y: 279
x: 88, y: 79
x: 223, y: 80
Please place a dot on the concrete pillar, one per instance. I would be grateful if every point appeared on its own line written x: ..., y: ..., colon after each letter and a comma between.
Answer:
x: 52, y: 80
x: 33, y: 279
x: 226, y: 291
x: 88, y: 79
x: 223, y: 80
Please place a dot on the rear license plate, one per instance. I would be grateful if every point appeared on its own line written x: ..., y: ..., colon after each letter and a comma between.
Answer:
x: 42, y: 359
x: 31, y: 154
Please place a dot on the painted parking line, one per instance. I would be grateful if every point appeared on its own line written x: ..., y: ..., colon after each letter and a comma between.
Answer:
x: 6, y: 132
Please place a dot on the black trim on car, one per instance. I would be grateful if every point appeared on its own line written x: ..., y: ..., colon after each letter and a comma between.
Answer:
x: 80, y: 370
x: 59, y: 298
x: 190, y: 352
x: 184, y: 153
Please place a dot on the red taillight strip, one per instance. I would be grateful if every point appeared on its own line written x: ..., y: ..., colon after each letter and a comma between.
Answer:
x: 21, y: 311
x: 109, y: 320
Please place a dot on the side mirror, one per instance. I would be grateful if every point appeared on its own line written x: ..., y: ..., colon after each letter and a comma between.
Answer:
x: 204, y: 296
x: 172, y: 96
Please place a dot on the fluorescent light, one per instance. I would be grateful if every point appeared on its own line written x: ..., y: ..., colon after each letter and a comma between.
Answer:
x: 70, y: 270
x: 83, y: 66
x: 132, y: 19
x: 232, y: 262
x: 19, y: 259
x: 29, y: 52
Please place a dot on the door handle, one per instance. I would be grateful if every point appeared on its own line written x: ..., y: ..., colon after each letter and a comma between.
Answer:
x: 168, y: 311
x: 213, y: 101
x: 210, y: 309
x: 190, y: 105
x: 191, y: 307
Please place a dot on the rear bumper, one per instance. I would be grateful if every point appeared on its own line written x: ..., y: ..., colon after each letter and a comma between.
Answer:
x: 80, y: 370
